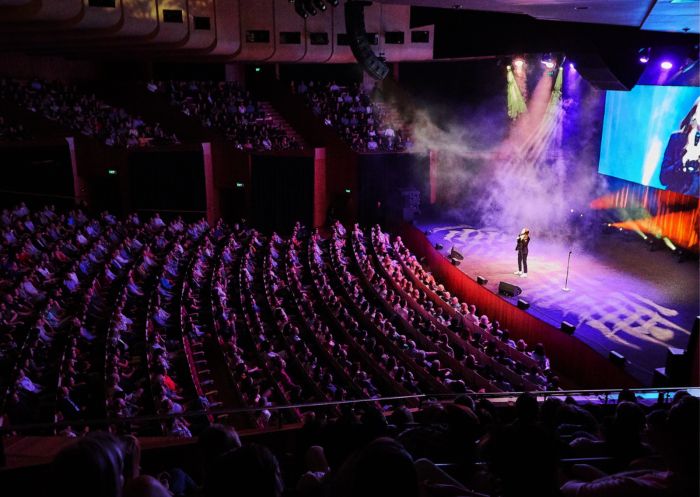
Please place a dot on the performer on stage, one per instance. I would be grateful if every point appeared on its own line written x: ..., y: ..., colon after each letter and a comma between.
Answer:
x: 521, y: 247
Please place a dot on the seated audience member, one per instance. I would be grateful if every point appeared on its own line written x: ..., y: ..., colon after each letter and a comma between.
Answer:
x: 249, y: 471
x: 90, y: 467
x: 680, y: 448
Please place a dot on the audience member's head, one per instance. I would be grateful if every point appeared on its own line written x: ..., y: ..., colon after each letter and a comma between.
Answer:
x: 91, y: 467
x: 380, y: 469
x: 249, y: 471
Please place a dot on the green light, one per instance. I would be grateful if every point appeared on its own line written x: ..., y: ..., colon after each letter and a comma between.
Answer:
x: 112, y: 172
x: 257, y: 69
x: 516, y: 102
x: 347, y: 190
x: 239, y: 185
x: 669, y: 243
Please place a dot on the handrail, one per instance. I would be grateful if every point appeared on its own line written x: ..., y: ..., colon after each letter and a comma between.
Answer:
x: 396, y: 399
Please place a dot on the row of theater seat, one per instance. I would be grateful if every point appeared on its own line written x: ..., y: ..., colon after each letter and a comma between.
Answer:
x: 174, y: 319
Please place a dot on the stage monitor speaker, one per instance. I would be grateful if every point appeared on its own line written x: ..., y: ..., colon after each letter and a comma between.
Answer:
x: 616, y: 358
x: 359, y: 40
x: 660, y: 379
x: 439, y: 246
x: 523, y: 304
x: 677, y: 366
x: 509, y: 289
x: 613, y: 69
x: 456, y: 255
x: 455, y: 262
x: 481, y: 280
x: 567, y: 328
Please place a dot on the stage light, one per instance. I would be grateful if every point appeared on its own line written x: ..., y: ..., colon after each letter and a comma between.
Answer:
x: 572, y: 66
x: 518, y: 63
x: 644, y: 55
x: 548, y: 61
x: 320, y: 5
x: 669, y: 243
x: 516, y: 101
x: 309, y: 7
x: 666, y: 65
x: 300, y: 10
x: 481, y: 280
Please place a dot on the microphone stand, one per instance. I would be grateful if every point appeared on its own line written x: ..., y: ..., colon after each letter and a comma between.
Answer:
x: 566, y: 281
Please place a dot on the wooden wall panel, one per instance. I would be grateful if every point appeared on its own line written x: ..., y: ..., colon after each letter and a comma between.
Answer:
x: 257, y: 15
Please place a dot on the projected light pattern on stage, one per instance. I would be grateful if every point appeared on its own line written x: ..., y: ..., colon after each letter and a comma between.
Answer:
x: 619, y: 300
x: 637, y: 134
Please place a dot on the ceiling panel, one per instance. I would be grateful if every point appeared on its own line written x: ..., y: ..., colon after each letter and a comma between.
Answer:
x: 656, y: 15
x: 677, y: 16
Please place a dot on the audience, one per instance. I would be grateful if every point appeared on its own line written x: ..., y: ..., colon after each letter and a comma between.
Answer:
x: 84, y: 113
x: 103, y: 317
x: 12, y: 131
x: 226, y: 106
x: 350, y: 111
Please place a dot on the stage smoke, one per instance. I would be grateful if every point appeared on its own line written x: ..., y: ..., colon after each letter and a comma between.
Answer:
x: 532, y: 173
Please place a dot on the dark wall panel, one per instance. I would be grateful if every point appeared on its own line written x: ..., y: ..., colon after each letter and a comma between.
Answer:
x: 39, y: 175
x: 282, y: 192
x: 168, y: 181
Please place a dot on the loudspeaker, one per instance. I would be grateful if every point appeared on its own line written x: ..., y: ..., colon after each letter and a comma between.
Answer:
x: 616, y: 358
x: 359, y: 41
x: 523, y: 304
x: 481, y: 280
x: 456, y: 255
x: 509, y: 289
x: 614, y: 69
x: 567, y: 328
x: 455, y: 262
x: 677, y: 366
x: 660, y: 380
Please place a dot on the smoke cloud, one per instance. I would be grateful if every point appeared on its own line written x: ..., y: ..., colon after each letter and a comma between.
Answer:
x: 532, y: 173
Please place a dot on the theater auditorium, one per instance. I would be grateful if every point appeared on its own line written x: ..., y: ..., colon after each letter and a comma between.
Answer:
x: 348, y: 248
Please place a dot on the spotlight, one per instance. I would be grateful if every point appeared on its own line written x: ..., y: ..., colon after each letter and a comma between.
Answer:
x: 548, y: 61
x: 320, y: 5
x: 334, y: 3
x: 666, y: 65
x: 309, y: 7
x: 572, y: 66
x: 300, y: 10
x: 518, y: 63
x: 644, y: 55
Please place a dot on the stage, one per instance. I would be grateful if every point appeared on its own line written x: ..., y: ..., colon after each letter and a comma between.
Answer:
x: 622, y: 296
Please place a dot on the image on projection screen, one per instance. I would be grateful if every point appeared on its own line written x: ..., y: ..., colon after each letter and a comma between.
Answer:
x: 651, y: 136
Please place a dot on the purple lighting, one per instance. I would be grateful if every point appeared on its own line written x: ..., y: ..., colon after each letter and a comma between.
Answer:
x: 572, y: 66
x: 666, y: 65
x: 644, y: 59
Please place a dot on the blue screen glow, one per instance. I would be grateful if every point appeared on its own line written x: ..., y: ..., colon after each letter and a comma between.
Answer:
x: 650, y: 129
